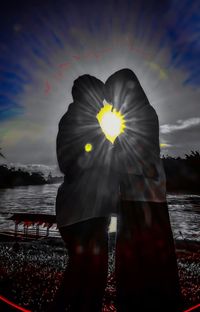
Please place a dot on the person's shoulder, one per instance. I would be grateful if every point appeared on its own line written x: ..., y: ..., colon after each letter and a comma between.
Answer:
x: 67, y: 114
x: 151, y: 111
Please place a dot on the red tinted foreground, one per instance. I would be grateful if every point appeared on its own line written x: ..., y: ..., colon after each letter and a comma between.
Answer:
x: 8, y: 305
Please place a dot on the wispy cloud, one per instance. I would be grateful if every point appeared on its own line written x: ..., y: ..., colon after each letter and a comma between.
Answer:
x: 181, y: 124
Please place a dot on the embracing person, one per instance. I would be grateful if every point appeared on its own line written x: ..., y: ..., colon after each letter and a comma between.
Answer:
x: 108, y: 150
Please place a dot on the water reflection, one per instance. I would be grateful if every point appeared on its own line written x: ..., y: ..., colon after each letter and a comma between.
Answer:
x: 184, y: 209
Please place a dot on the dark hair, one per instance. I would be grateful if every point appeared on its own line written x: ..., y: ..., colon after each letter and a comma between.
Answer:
x: 88, y: 89
x: 122, y: 85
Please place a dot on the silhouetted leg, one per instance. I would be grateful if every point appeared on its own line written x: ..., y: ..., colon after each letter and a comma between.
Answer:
x: 146, y: 267
x: 84, y: 281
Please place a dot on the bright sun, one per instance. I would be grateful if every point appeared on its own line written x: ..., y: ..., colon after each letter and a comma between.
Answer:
x: 111, y: 121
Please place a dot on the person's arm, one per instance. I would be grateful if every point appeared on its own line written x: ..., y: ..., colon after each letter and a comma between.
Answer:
x: 67, y: 145
x: 137, y: 151
x: 74, y: 132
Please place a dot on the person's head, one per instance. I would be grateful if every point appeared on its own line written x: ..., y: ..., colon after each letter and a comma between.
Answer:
x: 88, y: 91
x: 124, y: 91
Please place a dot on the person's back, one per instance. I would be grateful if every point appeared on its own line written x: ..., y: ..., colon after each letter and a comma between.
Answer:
x: 89, y: 180
x: 146, y: 268
x: 86, y: 199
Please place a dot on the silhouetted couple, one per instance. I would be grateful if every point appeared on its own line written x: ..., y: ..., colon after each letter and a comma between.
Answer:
x: 123, y: 178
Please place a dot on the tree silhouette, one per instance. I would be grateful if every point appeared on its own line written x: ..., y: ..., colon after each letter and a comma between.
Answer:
x: 194, y: 155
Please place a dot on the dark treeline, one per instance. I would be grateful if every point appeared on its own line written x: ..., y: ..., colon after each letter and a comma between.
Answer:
x: 10, y: 177
x: 183, y: 174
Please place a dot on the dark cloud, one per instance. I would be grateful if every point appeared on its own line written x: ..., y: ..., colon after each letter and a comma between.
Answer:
x: 158, y: 40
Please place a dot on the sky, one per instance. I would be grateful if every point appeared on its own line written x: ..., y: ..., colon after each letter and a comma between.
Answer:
x: 45, y: 45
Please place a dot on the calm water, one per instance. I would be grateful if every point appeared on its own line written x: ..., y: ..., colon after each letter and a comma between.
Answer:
x: 184, y: 209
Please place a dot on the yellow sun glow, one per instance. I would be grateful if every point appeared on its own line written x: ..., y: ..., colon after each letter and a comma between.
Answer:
x: 163, y: 145
x: 111, y: 121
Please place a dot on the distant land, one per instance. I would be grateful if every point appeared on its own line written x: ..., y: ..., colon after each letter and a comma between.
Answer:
x: 183, y: 174
x: 12, y: 175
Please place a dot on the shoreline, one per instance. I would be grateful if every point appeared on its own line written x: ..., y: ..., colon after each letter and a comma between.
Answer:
x: 6, y: 237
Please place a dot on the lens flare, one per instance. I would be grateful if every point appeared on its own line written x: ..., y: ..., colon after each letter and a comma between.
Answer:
x: 111, y: 121
x: 88, y: 147
x: 162, y: 145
